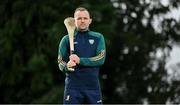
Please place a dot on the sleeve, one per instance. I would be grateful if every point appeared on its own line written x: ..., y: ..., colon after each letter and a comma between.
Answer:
x: 62, y: 55
x: 99, y: 59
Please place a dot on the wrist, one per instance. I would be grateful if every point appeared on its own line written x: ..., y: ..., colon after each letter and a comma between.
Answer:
x: 79, y: 61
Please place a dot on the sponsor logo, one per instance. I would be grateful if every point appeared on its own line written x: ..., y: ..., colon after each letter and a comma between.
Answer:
x: 75, y: 42
x: 67, y: 98
x: 100, y: 101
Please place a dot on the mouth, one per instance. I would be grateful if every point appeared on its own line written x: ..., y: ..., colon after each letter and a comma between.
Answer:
x: 83, y: 24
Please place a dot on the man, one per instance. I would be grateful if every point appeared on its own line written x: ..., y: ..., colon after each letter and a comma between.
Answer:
x: 82, y: 84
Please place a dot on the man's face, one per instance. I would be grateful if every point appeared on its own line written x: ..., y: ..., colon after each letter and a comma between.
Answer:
x: 82, y: 20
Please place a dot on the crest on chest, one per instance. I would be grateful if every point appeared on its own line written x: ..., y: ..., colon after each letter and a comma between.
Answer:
x: 91, y: 41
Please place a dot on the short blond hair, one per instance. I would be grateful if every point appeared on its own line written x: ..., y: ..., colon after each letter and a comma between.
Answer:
x: 81, y: 9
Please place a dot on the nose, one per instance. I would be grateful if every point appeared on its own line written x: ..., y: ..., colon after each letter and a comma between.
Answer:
x: 82, y: 20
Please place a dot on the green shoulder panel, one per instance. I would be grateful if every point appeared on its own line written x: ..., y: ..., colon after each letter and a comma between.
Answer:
x: 95, y: 34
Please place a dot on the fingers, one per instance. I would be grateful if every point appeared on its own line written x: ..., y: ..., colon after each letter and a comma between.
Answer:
x: 74, y: 58
x: 70, y: 65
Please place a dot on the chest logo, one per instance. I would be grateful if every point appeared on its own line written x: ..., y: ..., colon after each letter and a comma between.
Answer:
x: 91, y: 41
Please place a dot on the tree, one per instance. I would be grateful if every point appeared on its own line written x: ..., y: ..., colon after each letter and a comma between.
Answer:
x: 138, y: 75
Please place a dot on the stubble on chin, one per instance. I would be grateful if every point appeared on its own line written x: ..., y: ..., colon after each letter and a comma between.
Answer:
x: 82, y: 29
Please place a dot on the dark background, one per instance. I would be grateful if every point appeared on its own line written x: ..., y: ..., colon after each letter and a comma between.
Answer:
x: 30, y: 32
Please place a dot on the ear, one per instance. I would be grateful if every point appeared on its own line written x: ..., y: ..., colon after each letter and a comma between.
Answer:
x: 90, y: 21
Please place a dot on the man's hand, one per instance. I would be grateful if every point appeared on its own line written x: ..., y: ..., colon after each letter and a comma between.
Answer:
x: 70, y: 65
x: 74, y: 58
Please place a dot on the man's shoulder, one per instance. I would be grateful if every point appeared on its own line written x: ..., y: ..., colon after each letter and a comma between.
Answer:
x: 95, y: 34
x: 65, y: 37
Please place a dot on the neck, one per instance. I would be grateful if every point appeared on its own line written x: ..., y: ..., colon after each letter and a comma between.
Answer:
x: 83, y: 30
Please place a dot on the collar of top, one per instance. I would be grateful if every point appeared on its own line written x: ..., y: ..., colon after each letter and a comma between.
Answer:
x: 78, y: 31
